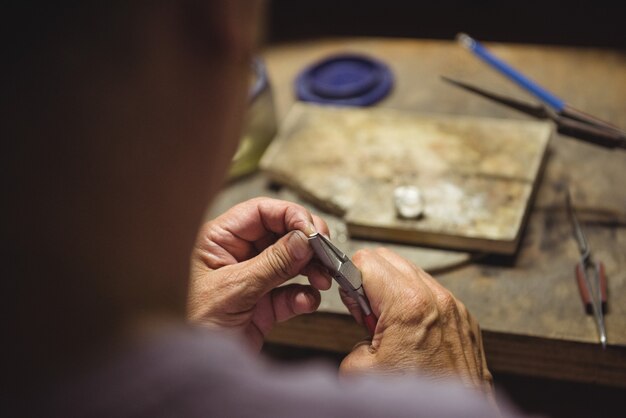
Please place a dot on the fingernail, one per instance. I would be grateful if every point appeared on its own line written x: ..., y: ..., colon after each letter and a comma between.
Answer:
x: 309, y: 229
x: 298, y: 245
x: 313, y: 298
x: 309, y: 297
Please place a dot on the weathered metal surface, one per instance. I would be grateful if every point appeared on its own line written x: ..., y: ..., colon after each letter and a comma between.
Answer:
x: 477, y: 175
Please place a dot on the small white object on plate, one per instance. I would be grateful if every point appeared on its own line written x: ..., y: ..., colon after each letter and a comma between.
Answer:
x: 409, y: 202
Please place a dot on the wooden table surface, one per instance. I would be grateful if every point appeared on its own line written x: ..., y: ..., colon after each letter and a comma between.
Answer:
x: 528, y: 306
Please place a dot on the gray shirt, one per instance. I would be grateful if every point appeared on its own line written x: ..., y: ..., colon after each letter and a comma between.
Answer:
x: 196, y: 373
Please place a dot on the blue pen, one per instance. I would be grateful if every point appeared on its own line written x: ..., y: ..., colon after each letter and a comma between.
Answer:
x: 505, y: 69
x: 527, y: 84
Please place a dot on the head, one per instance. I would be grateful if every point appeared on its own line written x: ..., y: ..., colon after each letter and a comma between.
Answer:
x: 123, y: 118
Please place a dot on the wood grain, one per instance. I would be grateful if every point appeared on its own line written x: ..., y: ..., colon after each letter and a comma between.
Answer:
x: 505, y: 352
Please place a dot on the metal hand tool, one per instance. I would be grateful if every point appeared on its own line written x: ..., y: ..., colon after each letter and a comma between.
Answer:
x: 566, y: 123
x: 590, y: 276
x: 607, y: 134
x: 345, y: 273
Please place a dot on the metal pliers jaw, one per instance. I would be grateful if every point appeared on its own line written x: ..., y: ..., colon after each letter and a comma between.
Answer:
x: 341, y: 269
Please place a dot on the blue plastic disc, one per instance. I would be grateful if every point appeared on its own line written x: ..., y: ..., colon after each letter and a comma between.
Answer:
x: 345, y: 80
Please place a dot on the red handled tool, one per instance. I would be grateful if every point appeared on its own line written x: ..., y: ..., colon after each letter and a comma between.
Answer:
x: 590, y: 276
x: 570, y: 122
x: 345, y: 273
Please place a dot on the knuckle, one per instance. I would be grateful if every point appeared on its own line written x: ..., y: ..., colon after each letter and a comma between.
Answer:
x: 288, y: 299
x: 381, y: 250
x: 413, y: 306
x: 278, y: 262
x: 260, y: 199
x: 320, y: 223
x: 415, y: 297
x: 446, y: 301
x: 294, y: 209
x: 206, y: 228
x: 347, y: 364
x: 421, y: 272
x: 213, y: 233
x: 358, y: 359
x: 360, y: 256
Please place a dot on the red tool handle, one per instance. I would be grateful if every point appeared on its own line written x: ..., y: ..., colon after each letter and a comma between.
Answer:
x: 603, y: 291
x: 584, y: 292
x: 370, y: 322
x: 582, y: 288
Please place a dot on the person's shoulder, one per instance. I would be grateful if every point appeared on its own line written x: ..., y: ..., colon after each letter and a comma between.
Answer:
x: 193, y: 372
x: 160, y: 375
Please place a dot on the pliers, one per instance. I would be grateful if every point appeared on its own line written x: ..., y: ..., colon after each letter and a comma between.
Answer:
x: 345, y: 273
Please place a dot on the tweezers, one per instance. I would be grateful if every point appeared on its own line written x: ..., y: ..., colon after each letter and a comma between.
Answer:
x: 573, y: 123
x: 590, y: 275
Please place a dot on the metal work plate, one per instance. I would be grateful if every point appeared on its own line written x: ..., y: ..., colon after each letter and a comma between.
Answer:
x: 477, y: 175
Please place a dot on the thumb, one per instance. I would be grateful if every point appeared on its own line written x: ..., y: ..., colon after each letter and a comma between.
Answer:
x: 360, y: 359
x: 278, y: 263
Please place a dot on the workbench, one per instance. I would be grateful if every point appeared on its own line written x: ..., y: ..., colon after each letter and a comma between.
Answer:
x: 528, y: 305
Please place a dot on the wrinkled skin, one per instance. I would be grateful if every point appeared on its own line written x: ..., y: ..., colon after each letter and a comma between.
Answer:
x: 422, y: 327
x: 242, y: 257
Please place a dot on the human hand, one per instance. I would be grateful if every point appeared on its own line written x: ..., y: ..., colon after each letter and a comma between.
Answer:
x: 240, y: 259
x: 421, y: 326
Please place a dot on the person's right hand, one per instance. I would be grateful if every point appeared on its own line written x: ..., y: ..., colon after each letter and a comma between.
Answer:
x: 421, y: 327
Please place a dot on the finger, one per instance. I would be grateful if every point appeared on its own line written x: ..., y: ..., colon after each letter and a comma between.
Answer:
x: 321, y: 225
x: 352, y: 305
x: 457, y: 319
x: 480, y: 350
x: 398, y: 261
x: 432, y: 283
x: 487, y: 376
x: 239, y: 228
x: 318, y: 276
x: 294, y: 299
x: 411, y: 269
x: 279, y: 262
x: 460, y: 335
x: 466, y: 344
x: 360, y: 359
x: 445, y: 299
x: 384, y: 283
x: 209, y: 252
x: 253, y: 219
x: 473, y: 332
x: 465, y: 324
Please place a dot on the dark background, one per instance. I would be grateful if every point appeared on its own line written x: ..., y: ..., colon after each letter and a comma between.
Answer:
x: 573, y: 23
x: 583, y: 23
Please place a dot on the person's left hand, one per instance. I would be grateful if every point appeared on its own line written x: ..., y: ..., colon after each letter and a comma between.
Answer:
x: 240, y: 259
